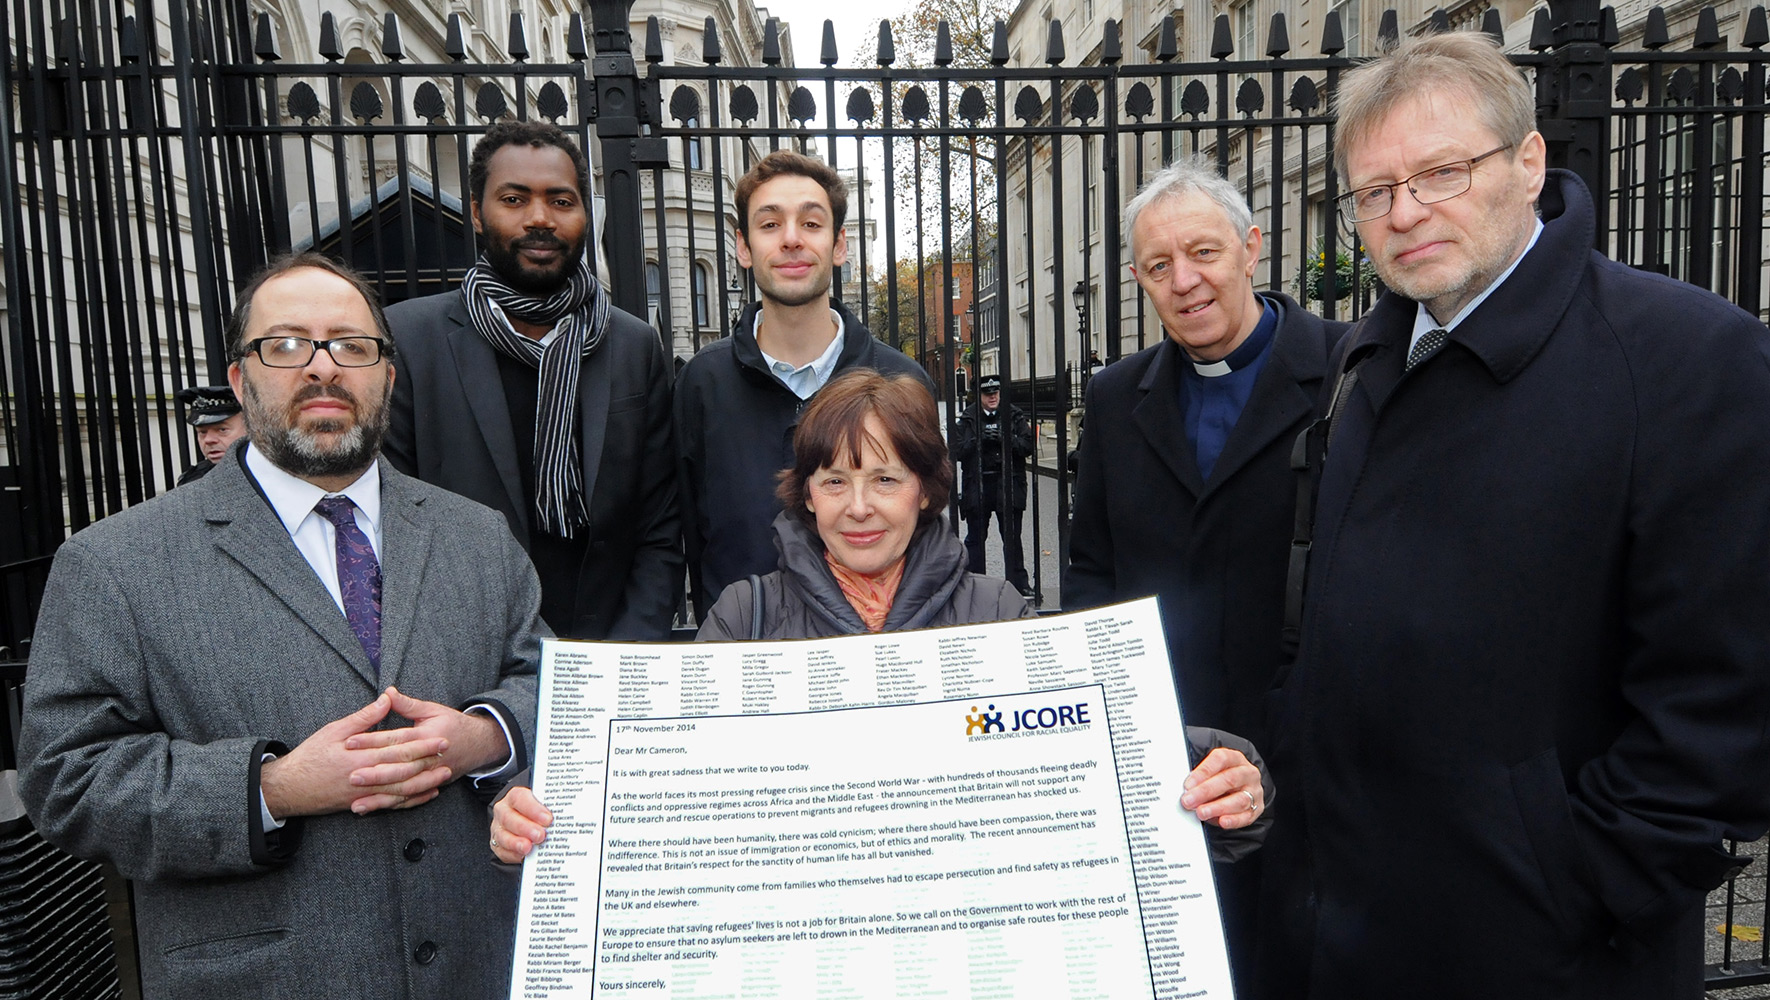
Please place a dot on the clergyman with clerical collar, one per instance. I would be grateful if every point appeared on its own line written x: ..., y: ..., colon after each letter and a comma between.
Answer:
x: 1183, y: 486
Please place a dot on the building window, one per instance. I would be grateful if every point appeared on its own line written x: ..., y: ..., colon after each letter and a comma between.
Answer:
x: 1246, y: 29
x: 1090, y: 193
x: 701, y: 302
x: 695, y: 152
x: 1327, y: 220
x: 1350, y: 23
x: 653, y: 291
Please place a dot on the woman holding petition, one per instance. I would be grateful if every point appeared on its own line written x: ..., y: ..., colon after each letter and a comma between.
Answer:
x: 864, y: 548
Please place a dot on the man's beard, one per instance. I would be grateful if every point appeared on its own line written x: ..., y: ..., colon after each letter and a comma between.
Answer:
x: 300, y: 451
x: 506, y: 259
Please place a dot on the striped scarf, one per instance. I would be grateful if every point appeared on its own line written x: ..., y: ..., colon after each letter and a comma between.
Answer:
x: 581, y: 309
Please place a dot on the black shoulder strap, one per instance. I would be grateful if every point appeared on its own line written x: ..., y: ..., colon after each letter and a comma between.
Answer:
x: 755, y: 606
x: 1307, y: 456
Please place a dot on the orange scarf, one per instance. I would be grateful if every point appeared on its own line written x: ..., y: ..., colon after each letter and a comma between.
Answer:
x: 870, y: 595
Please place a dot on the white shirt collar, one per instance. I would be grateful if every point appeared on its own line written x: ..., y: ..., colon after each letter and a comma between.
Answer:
x: 1423, y: 321
x: 806, y: 380
x: 293, y: 498
x: 546, y: 338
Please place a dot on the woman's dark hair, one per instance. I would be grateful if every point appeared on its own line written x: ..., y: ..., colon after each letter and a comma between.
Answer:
x: 835, y: 423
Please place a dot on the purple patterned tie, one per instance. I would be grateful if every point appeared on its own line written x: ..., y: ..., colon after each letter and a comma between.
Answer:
x: 359, y: 575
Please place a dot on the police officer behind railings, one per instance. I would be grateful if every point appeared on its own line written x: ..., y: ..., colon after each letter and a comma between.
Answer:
x: 214, y: 413
x: 986, y: 442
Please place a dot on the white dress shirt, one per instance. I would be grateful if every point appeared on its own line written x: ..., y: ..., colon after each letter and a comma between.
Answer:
x: 315, y: 538
x: 293, y: 500
x: 1423, y: 321
x: 546, y: 338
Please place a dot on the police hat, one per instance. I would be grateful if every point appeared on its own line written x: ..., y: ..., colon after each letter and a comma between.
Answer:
x: 208, y: 404
x: 989, y: 383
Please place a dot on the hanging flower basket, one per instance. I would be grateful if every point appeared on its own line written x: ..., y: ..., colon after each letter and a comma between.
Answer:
x: 1318, y: 278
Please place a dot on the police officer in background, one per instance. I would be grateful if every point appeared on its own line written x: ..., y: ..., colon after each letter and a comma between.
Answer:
x: 986, y: 442
x: 214, y: 413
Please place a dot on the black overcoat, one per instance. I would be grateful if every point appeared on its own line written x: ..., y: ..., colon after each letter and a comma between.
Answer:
x: 1535, y: 680
x: 1214, y: 552
x: 968, y: 447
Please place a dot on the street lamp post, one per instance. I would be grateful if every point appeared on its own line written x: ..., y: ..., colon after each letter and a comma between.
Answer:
x: 1080, y: 294
x: 973, y: 355
x: 734, y: 300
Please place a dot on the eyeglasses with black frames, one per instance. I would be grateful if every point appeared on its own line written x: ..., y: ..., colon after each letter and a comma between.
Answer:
x: 298, y: 352
x: 1429, y: 187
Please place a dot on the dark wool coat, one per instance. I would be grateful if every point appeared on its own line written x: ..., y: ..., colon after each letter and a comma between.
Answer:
x: 451, y: 426
x: 1535, y: 676
x: 1216, y: 552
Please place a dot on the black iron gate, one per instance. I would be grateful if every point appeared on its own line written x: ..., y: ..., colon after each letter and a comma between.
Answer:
x: 159, y: 152
x: 155, y: 152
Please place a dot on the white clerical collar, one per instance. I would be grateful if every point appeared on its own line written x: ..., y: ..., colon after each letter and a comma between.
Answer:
x: 1244, y: 353
x: 293, y: 498
x: 807, y: 379
x: 1423, y: 321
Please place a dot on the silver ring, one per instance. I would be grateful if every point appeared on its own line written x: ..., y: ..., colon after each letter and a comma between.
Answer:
x: 494, y: 841
x: 1252, y: 804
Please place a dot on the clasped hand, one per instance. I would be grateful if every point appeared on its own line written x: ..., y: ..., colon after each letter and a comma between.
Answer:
x: 348, y: 764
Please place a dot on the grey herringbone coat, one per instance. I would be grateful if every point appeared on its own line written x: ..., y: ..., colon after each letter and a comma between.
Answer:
x: 179, y: 637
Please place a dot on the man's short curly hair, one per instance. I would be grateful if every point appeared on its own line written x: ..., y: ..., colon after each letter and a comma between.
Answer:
x: 537, y: 134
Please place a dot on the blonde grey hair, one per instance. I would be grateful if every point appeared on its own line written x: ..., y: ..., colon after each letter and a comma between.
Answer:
x: 1466, y: 63
x: 1186, y: 176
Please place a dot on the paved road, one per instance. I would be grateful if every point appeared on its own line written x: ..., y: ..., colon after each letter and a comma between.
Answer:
x: 1038, y: 537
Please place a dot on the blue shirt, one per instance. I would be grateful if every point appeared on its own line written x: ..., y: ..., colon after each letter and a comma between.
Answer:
x: 1212, y: 395
x: 807, y: 379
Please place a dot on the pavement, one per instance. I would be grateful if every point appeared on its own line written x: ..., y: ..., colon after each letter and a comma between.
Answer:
x: 1747, y: 956
x: 1038, y: 540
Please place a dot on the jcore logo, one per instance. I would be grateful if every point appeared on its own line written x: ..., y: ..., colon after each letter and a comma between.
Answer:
x: 985, y: 722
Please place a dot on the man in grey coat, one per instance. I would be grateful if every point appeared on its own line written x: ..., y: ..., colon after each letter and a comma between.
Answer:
x: 295, y: 823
